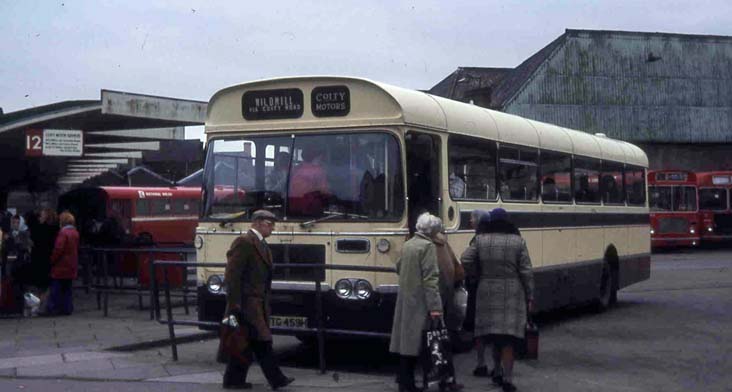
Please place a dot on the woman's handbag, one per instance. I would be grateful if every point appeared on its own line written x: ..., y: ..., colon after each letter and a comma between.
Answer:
x: 530, y: 349
x: 437, y: 354
x: 460, y: 304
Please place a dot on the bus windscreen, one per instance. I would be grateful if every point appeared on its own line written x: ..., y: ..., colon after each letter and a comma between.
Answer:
x: 347, y: 176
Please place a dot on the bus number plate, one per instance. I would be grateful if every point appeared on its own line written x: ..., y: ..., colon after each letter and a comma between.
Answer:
x: 288, y: 321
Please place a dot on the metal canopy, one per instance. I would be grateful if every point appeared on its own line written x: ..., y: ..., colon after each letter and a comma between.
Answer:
x: 117, y: 128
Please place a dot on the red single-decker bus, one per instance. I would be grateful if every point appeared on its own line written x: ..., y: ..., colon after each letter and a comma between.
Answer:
x: 674, y: 209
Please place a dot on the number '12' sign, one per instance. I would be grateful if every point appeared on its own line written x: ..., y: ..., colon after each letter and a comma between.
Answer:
x: 33, y: 142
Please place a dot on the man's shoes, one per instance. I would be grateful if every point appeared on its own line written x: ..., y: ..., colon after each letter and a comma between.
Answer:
x: 283, y: 383
x: 481, y: 371
x: 410, y: 389
x: 455, y: 387
x: 245, y: 385
x: 508, y: 387
x: 497, y: 377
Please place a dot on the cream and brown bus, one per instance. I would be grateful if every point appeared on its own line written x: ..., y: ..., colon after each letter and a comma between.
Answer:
x: 347, y: 164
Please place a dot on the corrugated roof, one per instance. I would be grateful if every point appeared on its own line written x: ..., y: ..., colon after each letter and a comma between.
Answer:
x: 519, y: 76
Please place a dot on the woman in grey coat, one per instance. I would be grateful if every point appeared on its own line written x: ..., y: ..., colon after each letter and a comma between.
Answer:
x: 418, y: 298
x: 505, y: 291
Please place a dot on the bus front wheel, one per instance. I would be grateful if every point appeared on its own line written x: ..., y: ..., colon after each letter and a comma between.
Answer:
x: 608, y: 289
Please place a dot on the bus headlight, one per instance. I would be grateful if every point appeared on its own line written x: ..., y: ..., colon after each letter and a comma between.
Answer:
x: 383, y: 245
x: 363, y: 289
x: 692, y: 231
x: 215, y: 284
x: 198, y: 242
x: 343, y: 288
x: 653, y: 232
x: 709, y: 229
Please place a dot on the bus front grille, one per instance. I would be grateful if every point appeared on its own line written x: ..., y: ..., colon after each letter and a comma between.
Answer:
x: 673, y: 225
x: 723, y: 223
x: 298, y: 254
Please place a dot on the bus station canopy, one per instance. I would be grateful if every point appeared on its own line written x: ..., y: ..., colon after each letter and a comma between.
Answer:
x: 116, y: 130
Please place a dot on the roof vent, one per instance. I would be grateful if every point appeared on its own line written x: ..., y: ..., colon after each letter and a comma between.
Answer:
x: 599, y: 134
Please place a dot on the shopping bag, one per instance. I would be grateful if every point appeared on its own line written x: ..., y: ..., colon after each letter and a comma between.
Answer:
x: 530, y: 346
x: 233, y: 342
x: 437, y: 354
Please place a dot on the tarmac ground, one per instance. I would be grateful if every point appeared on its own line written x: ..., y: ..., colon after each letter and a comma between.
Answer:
x: 670, y: 333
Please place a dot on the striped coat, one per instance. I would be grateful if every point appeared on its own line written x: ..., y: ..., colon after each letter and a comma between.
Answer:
x: 506, y: 283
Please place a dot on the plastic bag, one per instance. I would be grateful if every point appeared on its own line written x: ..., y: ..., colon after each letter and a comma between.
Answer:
x: 461, y: 304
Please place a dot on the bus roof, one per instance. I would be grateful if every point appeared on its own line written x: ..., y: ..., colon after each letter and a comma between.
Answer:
x: 377, y: 104
x: 714, y: 178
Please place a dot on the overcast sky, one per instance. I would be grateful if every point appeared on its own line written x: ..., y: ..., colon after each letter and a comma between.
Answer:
x: 67, y: 49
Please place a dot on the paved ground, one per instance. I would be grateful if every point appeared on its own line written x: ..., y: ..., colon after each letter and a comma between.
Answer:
x: 671, y: 333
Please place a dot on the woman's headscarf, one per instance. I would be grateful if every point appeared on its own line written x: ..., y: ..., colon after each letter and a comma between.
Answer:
x: 499, y: 223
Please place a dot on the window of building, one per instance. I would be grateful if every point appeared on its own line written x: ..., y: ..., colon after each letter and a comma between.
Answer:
x: 611, y: 183
x: 635, y: 185
x: 472, y: 168
x: 518, y: 173
x: 587, y: 180
x: 556, y: 177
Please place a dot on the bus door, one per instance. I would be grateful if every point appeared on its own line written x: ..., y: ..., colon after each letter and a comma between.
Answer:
x: 423, y: 173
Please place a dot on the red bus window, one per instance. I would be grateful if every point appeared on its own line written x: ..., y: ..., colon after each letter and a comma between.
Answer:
x: 185, y: 207
x: 160, y: 206
x: 142, y: 207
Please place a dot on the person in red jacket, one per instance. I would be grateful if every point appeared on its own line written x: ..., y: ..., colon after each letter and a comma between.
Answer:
x: 64, y: 266
x: 309, y: 191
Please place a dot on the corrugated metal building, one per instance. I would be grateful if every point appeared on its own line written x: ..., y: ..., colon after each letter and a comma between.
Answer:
x: 669, y: 93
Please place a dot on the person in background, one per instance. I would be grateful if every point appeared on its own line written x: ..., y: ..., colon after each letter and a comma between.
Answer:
x: 248, y: 278
x: 309, y: 190
x: 276, y: 181
x: 479, y: 221
x: 64, y: 267
x: 418, y: 298
x: 456, y: 183
x: 43, y: 235
x: 451, y: 275
x: 500, y: 259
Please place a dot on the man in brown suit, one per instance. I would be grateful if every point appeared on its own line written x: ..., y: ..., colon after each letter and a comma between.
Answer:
x: 248, y: 279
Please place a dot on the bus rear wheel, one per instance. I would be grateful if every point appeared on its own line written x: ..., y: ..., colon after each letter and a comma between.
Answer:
x: 607, y: 294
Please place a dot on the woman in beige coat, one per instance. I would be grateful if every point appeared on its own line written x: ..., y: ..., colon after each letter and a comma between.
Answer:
x: 418, y: 298
x: 505, y: 291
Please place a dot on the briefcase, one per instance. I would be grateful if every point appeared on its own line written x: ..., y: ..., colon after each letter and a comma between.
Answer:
x: 530, y: 348
x: 233, y: 342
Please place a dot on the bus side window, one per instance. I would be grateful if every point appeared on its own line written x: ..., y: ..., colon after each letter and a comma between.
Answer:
x: 587, y: 180
x: 635, y: 185
x: 556, y: 177
x: 160, y: 207
x: 142, y: 207
x: 472, y: 168
x: 518, y: 173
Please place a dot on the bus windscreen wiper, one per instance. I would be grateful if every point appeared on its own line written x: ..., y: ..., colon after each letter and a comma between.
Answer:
x: 330, y: 215
x: 228, y: 218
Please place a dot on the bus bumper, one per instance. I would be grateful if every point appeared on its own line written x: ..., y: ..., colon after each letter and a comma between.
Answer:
x: 672, y: 242
x: 292, y: 308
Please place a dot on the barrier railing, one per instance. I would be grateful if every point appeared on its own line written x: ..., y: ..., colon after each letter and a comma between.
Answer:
x: 100, y: 280
x: 320, y: 330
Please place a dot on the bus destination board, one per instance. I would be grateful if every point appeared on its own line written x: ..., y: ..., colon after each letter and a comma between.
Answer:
x: 272, y: 104
x: 330, y: 101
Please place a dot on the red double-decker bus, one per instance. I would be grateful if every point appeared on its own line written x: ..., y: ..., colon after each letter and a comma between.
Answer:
x: 139, y: 215
x: 714, y: 205
x: 674, y: 208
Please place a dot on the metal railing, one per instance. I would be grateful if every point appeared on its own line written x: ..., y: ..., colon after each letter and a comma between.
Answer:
x: 99, y: 279
x: 320, y: 330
